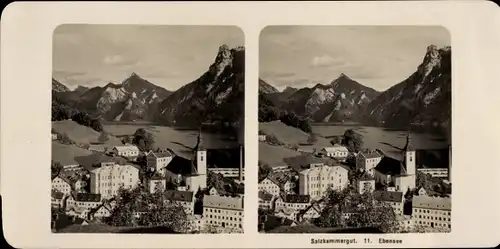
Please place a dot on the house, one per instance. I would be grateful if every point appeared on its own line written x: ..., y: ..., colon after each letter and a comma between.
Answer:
x: 157, y: 183
x: 405, y: 222
x: 54, y: 136
x: 316, y: 180
x: 223, y: 212
x: 365, y: 182
x: 62, y: 184
x: 435, y: 172
x: 312, y: 212
x: 400, y: 172
x: 262, y: 138
x: 393, y: 199
x: 79, y: 185
x: 102, y: 211
x: 265, y: 200
x: 269, y: 185
x: 196, y: 223
x: 158, y: 161
x: 83, y: 200
x: 269, y: 222
x: 213, y: 191
x: 108, y: 179
x: 337, y: 151
x: 367, y: 161
x: 184, y: 198
x: 126, y: 151
x: 292, y: 202
x: 432, y: 212
x: 422, y: 191
x: 57, y: 199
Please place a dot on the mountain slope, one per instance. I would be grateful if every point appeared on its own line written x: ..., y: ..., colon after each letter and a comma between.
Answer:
x: 217, y: 95
x: 58, y: 86
x: 424, y: 97
x: 340, y: 100
x: 265, y: 88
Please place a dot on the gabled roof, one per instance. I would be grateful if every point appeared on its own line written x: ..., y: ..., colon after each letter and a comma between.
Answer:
x: 388, y: 196
x: 423, y: 201
x: 182, y: 166
x: 369, y: 154
x: 223, y: 202
x: 56, y: 194
x: 296, y: 198
x: 265, y: 196
x: 162, y: 154
x: 390, y: 166
x: 126, y: 148
x: 64, y: 178
x: 86, y: 197
x: 176, y: 195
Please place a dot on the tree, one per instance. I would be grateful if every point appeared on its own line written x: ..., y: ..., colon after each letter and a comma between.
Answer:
x: 103, y: 137
x: 273, y: 140
x: 83, y: 118
x: 126, y: 140
x: 353, y: 140
x: 336, y: 140
x: 144, y: 140
x: 312, y: 139
x: 55, y: 169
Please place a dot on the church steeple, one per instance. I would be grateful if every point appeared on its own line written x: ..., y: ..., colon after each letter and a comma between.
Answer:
x: 408, y: 144
x: 409, y: 156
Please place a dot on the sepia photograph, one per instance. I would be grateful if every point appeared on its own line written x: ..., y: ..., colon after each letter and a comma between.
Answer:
x: 354, y: 129
x: 147, y: 129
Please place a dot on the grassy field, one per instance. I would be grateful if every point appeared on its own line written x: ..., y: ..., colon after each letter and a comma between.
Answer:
x: 81, y: 134
x: 291, y: 135
x: 274, y: 155
x: 66, y: 154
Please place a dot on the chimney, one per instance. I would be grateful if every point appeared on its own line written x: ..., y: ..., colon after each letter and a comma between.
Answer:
x: 240, y: 172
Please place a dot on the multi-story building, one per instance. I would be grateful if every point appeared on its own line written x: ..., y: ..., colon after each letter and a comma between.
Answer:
x: 62, y: 184
x: 270, y: 185
x: 265, y: 200
x: 316, y: 180
x: 393, y: 199
x: 228, y: 172
x: 57, y: 199
x: 83, y: 200
x: 223, y: 212
x: 126, y: 151
x: 184, y: 198
x: 158, y: 161
x: 367, y: 161
x: 292, y: 202
x: 336, y: 151
x: 405, y: 222
x: 365, y: 182
x: 432, y: 212
x: 107, y: 179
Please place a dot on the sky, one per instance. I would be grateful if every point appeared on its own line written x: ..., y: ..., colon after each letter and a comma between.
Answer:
x: 375, y: 56
x: 168, y: 56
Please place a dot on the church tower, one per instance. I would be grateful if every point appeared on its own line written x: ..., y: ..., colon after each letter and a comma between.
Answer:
x: 201, y: 162
x: 409, y: 156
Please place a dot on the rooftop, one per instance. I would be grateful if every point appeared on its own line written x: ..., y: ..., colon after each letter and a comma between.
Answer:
x: 265, y: 196
x: 440, y: 203
x: 296, y: 198
x: 390, y: 166
x: 388, y: 196
x: 161, y: 154
x: 126, y: 148
x: 86, y: 197
x: 176, y: 195
x: 223, y: 202
x: 370, y: 154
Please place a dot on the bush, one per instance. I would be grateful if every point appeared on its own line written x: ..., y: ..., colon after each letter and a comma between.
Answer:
x: 143, y: 140
x: 273, y: 140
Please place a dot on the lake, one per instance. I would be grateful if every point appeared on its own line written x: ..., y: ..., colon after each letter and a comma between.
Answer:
x: 385, y: 139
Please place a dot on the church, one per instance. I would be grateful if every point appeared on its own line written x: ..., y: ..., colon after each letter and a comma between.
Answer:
x: 191, y: 174
x: 399, y: 173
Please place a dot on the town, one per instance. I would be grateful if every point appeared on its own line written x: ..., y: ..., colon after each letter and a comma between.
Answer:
x: 336, y: 188
x: 126, y: 187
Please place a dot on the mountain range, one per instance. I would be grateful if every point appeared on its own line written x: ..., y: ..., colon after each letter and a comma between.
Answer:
x: 423, y: 98
x: 215, y: 95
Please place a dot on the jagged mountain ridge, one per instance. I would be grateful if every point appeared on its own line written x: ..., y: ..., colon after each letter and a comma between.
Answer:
x: 215, y: 96
x: 423, y: 98
x: 59, y: 87
x: 134, y: 99
x: 266, y: 88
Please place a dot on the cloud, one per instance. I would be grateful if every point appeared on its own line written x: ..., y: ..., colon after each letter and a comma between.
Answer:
x: 326, y: 61
x: 119, y: 60
x: 277, y: 74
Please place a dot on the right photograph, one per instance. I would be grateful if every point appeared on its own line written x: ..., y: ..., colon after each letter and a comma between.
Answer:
x: 355, y: 129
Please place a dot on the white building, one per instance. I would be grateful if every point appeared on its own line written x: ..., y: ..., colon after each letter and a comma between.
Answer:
x: 57, y: 199
x: 336, y: 151
x: 293, y: 203
x: 62, y: 184
x: 107, y: 179
x: 126, y: 151
x: 265, y: 200
x: 223, y: 212
x: 405, y: 222
x: 102, y: 211
x: 262, y: 138
x: 228, y: 172
x: 269, y: 185
x: 367, y: 161
x: 54, y: 136
x: 316, y: 180
x: 83, y: 201
x: 157, y: 183
x: 432, y: 212
x: 393, y: 199
x: 311, y: 212
x: 365, y: 182
x: 158, y: 161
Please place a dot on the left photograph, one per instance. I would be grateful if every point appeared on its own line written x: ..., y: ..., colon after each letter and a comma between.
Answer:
x: 147, y: 129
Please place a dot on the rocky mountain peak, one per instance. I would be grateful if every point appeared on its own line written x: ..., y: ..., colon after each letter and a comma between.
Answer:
x: 431, y: 60
x: 223, y: 59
